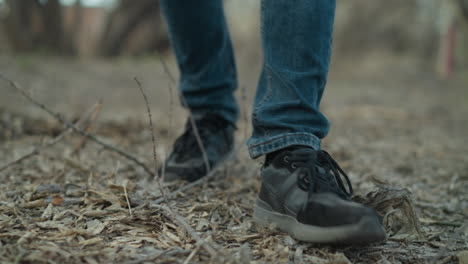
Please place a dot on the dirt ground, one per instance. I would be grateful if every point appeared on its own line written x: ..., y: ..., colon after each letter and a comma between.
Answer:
x: 398, y: 132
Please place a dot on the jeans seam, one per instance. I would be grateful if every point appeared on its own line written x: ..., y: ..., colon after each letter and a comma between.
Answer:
x: 283, y: 136
x: 265, y: 98
x: 285, y: 81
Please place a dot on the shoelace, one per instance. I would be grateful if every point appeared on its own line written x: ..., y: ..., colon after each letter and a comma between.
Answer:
x: 319, y: 172
x: 206, y: 126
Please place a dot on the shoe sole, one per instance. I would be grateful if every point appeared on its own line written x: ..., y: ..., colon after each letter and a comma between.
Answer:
x: 366, y: 231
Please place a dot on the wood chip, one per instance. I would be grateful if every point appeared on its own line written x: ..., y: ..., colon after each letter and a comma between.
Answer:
x: 91, y: 241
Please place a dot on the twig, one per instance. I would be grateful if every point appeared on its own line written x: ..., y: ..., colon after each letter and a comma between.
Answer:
x: 191, y: 118
x: 59, y: 118
x: 92, y: 119
x: 39, y: 149
x: 35, y: 151
x: 171, y: 214
x: 192, y: 254
x: 153, y: 258
x: 210, y: 175
x: 150, y: 122
x: 167, y: 210
x: 126, y: 198
x: 153, y: 140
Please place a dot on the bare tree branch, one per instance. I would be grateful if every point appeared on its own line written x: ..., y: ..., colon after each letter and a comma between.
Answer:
x: 191, y: 118
x: 178, y: 218
x: 59, y: 118
x: 200, y: 181
x: 35, y: 151
x: 168, y: 210
x: 90, y: 122
x: 39, y: 149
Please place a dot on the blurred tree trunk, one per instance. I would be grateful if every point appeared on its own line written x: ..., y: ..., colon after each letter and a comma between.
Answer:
x: 53, y: 25
x: 19, y: 24
x: 464, y: 8
x: 34, y: 24
x: 71, y: 34
x: 134, y: 27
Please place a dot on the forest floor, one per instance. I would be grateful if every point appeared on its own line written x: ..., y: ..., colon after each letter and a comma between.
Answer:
x: 400, y: 134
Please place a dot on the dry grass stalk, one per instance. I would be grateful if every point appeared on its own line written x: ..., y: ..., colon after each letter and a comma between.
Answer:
x: 59, y: 118
x: 200, y: 181
x: 92, y: 120
x: 169, y: 212
x: 191, y: 118
x: 192, y: 254
x: 39, y: 149
x: 153, y: 140
x: 126, y: 199
x: 35, y: 151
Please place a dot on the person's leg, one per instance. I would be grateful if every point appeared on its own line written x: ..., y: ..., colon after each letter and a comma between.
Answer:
x: 200, y: 39
x: 296, y: 37
x: 303, y: 189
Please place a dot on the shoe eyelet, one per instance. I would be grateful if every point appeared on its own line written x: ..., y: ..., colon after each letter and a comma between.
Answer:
x: 293, y: 166
x: 286, y: 159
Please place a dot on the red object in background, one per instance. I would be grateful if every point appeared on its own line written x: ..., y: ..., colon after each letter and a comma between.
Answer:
x: 449, y: 51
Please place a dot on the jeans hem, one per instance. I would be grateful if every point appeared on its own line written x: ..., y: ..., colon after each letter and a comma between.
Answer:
x: 275, y: 143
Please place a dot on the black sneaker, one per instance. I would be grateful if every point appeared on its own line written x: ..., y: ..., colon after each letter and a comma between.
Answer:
x: 303, y: 195
x: 186, y: 161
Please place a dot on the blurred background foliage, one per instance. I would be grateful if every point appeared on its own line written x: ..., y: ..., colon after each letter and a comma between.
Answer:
x: 432, y: 31
x: 83, y: 28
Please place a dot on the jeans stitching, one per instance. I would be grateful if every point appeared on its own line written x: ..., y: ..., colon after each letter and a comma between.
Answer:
x: 265, y: 98
x: 285, y: 81
x: 263, y: 148
x: 284, y: 136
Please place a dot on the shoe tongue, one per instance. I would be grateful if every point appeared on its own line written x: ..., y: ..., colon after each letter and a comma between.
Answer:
x: 301, y: 150
x: 295, y: 150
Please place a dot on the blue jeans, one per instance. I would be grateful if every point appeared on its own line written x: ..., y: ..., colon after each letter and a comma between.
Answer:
x: 296, y: 41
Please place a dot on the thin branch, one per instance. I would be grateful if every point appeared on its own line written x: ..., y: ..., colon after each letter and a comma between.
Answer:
x: 178, y: 218
x: 171, y: 93
x: 150, y: 122
x: 168, y: 210
x: 90, y: 122
x: 37, y: 150
x: 200, y: 181
x: 192, y: 254
x: 191, y: 118
x: 59, y: 118
x: 126, y: 199
x: 153, y: 140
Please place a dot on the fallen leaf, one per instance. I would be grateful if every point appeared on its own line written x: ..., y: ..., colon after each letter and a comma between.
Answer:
x: 58, y: 200
x: 91, y: 241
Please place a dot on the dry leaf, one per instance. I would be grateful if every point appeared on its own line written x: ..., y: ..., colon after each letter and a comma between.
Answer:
x: 91, y: 241
x: 35, y: 204
x: 57, y: 200
x: 47, y: 214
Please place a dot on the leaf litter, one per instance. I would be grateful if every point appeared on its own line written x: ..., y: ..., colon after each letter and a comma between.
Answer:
x: 63, y: 206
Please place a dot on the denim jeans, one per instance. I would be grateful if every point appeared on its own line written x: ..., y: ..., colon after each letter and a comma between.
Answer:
x: 296, y: 41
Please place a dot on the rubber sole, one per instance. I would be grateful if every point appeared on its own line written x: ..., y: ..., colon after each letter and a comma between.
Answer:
x: 367, y: 230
